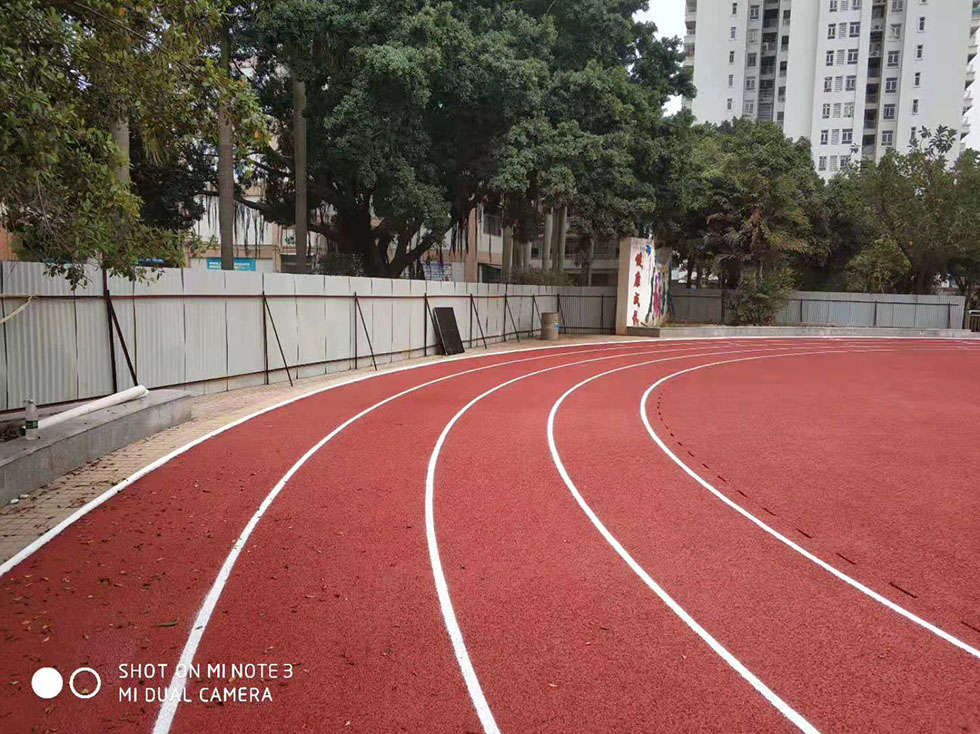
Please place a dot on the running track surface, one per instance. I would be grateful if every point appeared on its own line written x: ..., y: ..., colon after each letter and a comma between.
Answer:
x: 617, y: 594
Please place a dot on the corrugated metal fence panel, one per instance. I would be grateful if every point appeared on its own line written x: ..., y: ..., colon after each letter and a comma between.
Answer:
x: 312, y: 316
x: 92, y: 333
x: 243, y: 320
x: 403, y: 311
x: 283, y: 312
x: 381, y: 318
x: 419, y: 317
x: 160, y: 335
x: 42, y: 356
x: 206, y: 329
x: 363, y: 319
x: 125, y: 309
x: 339, y: 320
x: 5, y: 308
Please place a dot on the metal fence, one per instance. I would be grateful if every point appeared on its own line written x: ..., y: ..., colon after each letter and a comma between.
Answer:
x: 211, y: 331
x: 815, y: 308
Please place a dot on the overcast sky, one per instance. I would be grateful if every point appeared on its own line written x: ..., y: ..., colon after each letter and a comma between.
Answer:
x: 669, y: 18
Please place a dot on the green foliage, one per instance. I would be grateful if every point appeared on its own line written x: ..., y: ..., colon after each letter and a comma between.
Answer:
x: 542, y: 277
x: 67, y: 72
x: 759, y: 297
x: 878, y: 268
x: 927, y: 208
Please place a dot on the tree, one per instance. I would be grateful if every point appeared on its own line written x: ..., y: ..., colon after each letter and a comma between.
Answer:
x: 69, y: 73
x: 922, y: 205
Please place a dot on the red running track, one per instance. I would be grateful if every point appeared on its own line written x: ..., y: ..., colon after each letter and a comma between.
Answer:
x: 863, y: 445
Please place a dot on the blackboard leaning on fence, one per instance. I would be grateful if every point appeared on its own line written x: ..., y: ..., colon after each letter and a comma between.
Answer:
x: 444, y: 321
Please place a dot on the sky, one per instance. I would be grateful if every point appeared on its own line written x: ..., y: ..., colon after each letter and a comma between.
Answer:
x: 668, y: 15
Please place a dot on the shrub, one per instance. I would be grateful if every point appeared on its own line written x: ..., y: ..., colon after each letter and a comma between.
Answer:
x: 760, y: 296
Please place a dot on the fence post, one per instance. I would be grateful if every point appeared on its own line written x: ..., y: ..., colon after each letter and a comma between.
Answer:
x: 354, y: 331
x: 112, y: 338
x: 875, y: 323
x: 602, y: 313
x: 425, y: 324
x: 470, y: 343
x: 503, y: 320
x: 265, y: 341
x: 949, y: 315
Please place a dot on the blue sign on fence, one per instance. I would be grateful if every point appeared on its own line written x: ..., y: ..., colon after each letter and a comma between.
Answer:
x: 241, y: 263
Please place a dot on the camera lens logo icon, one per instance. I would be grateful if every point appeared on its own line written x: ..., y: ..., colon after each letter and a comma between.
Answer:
x: 48, y: 683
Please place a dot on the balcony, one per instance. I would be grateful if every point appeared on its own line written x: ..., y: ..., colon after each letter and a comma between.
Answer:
x: 964, y: 129
x: 768, y: 47
x: 971, y: 76
x: 967, y: 102
x: 971, y: 50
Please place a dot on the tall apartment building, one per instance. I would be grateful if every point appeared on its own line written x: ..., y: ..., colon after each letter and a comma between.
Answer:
x: 849, y: 75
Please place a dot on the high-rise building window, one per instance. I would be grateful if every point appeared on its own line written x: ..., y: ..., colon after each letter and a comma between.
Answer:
x: 829, y: 58
x: 826, y: 112
x: 828, y: 82
x: 848, y: 109
x: 917, y: 79
x: 837, y: 106
x: 893, y: 58
x: 915, y: 106
x: 729, y: 103
x: 919, y: 51
x: 832, y: 30
x: 833, y: 163
x: 822, y: 163
x: 748, y: 107
x: 833, y: 6
x: 841, y: 55
x: 754, y: 12
x: 891, y: 84
x: 852, y: 55
x: 731, y: 57
x: 782, y: 68
x: 851, y: 83
x: 847, y: 135
x: 734, y: 8
x: 895, y: 31
x: 855, y: 30
x: 888, y: 112
x: 838, y: 83
x: 786, y: 17
x: 887, y: 137
x: 856, y: 5
x: 835, y: 136
x: 912, y: 137
x: 753, y: 35
x: 845, y: 160
x: 731, y: 32
x: 922, y: 23
x: 731, y: 80
x: 753, y: 58
x: 823, y: 137
x: 750, y: 83
x: 898, y: 6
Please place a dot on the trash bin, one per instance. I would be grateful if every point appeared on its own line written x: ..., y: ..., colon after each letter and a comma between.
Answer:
x: 549, y: 326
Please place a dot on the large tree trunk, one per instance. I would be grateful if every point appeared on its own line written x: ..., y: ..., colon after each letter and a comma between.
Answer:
x: 471, y: 268
x: 120, y: 136
x: 299, y: 154
x: 560, y: 236
x: 589, y: 254
x: 549, y: 226
x: 507, y: 259
x: 226, y: 177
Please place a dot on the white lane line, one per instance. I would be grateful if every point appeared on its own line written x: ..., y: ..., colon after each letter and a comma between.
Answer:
x: 779, y: 704
x: 442, y: 587
x: 177, y: 684
x: 775, y: 533
x: 44, y: 539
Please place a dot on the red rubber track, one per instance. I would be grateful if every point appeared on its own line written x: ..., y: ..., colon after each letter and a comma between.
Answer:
x: 841, y: 659
x: 123, y: 584
x: 336, y: 576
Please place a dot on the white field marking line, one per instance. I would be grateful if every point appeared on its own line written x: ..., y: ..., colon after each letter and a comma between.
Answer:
x: 784, y: 708
x: 32, y: 547
x: 179, y: 680
x: 442, y: 587
x: 776, y: 534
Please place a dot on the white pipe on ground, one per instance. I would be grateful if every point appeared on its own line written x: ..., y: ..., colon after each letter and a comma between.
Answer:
x: 133, y: 393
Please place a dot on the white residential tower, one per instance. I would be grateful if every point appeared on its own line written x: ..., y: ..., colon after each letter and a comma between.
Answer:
x: 847, y: 74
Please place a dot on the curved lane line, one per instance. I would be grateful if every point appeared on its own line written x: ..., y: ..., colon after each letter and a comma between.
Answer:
x: 775, y: 533
x: 442, y: 587
x: 779, y: 704
x: 44, y: 539
x: 177, y: 684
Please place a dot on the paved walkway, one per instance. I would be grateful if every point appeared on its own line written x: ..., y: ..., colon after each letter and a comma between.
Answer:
x: 45, y: 507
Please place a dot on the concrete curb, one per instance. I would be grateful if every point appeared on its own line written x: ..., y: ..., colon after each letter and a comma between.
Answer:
x: 850, y: 331
x: 26, y: 465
